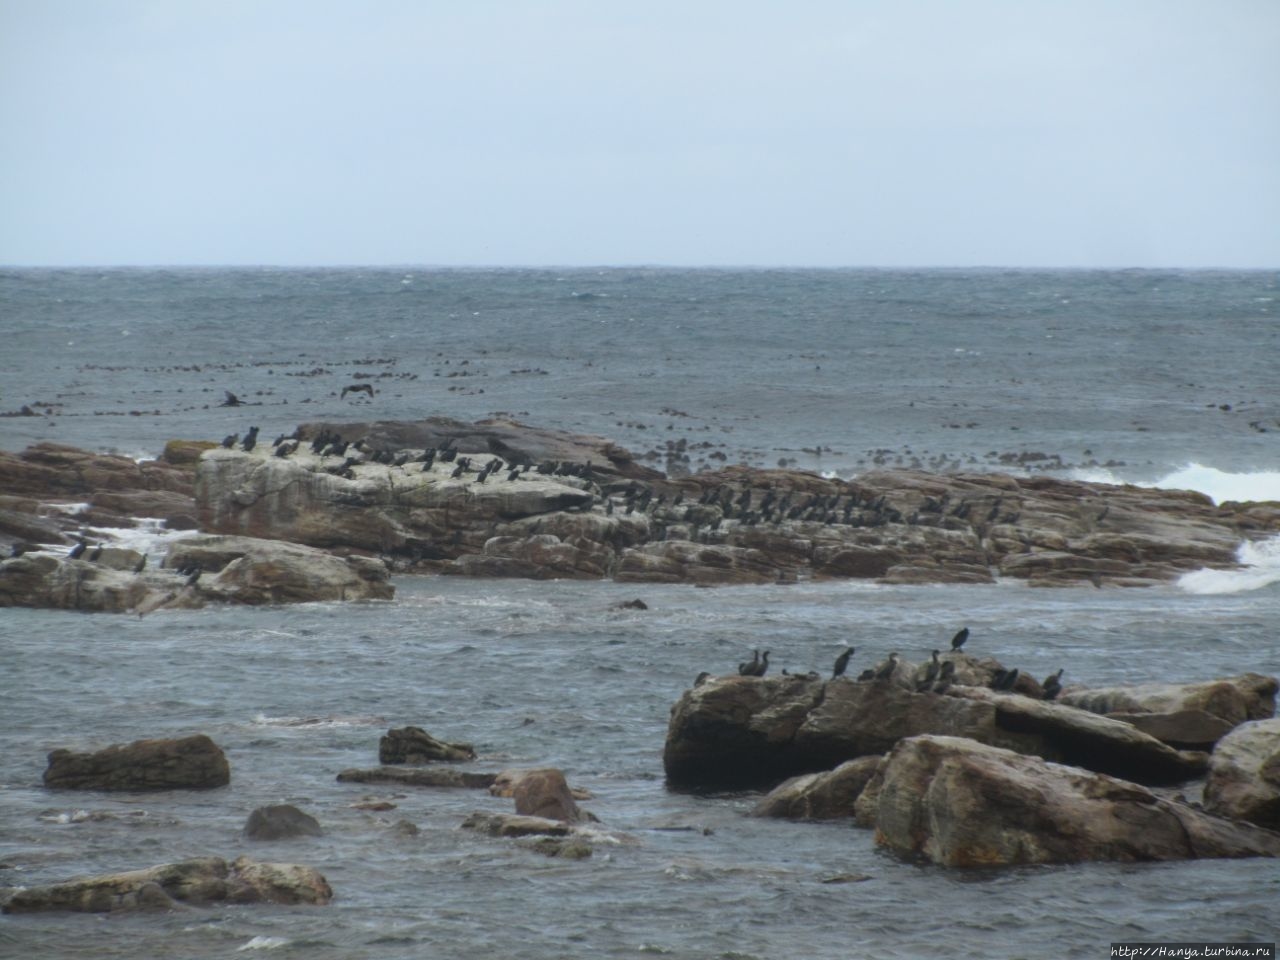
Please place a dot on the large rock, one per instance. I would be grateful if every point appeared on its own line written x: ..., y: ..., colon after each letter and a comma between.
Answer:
x: 415, y: 745
x: 280, y: 821
x: 958, y: 803
x: 46, y: 581
x: 1250, y: 696
x: 250, y: 571
x: 545, y: 794
x: 747, y: 731
x: 194, y: 762
x: 819, y: 796
x: 194, y: 882
x: 1244, y: 774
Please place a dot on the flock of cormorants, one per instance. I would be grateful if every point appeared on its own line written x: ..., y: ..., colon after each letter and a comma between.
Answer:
x: 938, y: 674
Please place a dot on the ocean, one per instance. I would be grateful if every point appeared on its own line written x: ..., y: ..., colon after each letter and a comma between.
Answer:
x: 1158, y: 377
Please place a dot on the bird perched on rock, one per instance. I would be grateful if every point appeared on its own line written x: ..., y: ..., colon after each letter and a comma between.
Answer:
x: 1053, y: 685
x: 748, y: 669
x: 885, y: 670
x: 96, y: 555
x: 195, y: 576
x: 77, y: 550
x: 958, y: 640
x: 1004, y: 679
x: 945, y: 676
x: 842, y: 661
x: 141, y: 564
x: 930, y: 674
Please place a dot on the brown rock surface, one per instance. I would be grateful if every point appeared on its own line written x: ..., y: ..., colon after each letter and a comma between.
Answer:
x: 1244, y: 774
x: 819, y: 796
x: 415, y: 745
x: 955, y: 802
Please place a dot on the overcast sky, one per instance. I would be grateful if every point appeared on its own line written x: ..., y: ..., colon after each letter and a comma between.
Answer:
x: 559, y: 132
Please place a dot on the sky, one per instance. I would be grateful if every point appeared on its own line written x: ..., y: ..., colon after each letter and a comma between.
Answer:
x: 1021, y: 133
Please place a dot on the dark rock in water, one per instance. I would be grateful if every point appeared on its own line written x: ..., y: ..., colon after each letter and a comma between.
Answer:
x: 420, y: 777
x: 636, y: 604
x: 196, y: 882
x: 819, y: 796
x: 194, y: 762
x: 745, y: 731
x: 415, y: 745
x: 1244, y: 774
x: 516, y: 825
x: 563, y: 848
x: 281, y: 821
x: 958, y: 803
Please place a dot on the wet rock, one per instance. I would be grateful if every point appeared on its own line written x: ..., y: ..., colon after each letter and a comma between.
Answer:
x: 200, y: 881
x: 194, y: 762
x: 545, y: 794
x: 45, y: 581
x: 563, y: 848
x: 819, y: 796
x: 955, y: 802
x: 281, y: 821
x: 415, y: 745
x: 747, y: 731
x: 516, y: 825
x: 420, y: 777
x: 1244, y: 774
x: 507, y: 780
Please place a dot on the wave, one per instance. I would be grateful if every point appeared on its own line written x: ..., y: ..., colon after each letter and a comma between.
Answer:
x: 1261, y: 560
x: 1218, y: 485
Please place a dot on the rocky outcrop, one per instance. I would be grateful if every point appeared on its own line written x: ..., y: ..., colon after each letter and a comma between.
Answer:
x: 958, y: 803
x: 194, y: 762
x: 280, y: 821
x: 198, y: 882
x: 232, y: 570
x: 819, y: 796
x: 576, y: 507
x: 516, y: 825
x: 415, y: 745
x: 420, y: 777
x: 1244, y: 774
x: 245, y: 570
x: 747, y: 731
x: 1187, y: 715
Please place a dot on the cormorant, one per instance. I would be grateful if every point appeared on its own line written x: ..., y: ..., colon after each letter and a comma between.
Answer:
x: 77, y: 550
x: 195, y: 576
x: 701, y: 678
x: 958, y: 640
x: 229, y: 440
x: 1053, y: 685
x: 763, y: 667
x: 749, y: 669
x: 1004, y: 679
x: 250, y: 440
x: 96, y: 555
x: 945, y: 676
x: 867, y: 674
x: 141, y: 564
x: 842, y: 661
x: 885, y: 671
x: 930, y: 673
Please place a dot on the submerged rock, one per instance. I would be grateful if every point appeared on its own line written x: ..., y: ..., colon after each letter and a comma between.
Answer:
x: 819, y: 796
x: 194, y: 762
x: 420, y: 777
x: 958, y: 803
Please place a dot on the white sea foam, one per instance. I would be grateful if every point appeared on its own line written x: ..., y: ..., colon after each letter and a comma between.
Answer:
x: 263, y: 943
x: 1219, y: 485
x: 1261, y: 560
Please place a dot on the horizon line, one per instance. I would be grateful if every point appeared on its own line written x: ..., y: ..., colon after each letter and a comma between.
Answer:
x: 638, y: 265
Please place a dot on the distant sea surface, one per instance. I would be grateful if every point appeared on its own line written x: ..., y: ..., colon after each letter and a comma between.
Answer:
x: 1158, y: 377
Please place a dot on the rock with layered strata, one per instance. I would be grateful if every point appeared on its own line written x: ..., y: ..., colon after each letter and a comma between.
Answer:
x: 749, y: 731
x: 196, y: 882
x: 958, y: 803
x: 1244, y: 774
x: 194, y: 762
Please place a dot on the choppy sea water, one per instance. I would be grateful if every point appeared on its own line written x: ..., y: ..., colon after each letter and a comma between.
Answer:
x: 538, y: 673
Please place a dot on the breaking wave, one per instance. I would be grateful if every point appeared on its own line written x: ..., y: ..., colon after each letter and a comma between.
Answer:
x: 1261, y: 560
x: 1219, y: 485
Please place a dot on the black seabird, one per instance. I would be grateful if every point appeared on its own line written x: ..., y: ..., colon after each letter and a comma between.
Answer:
x: 842, y: 661
x: 702, y: 678
x: 1005, y: 679
x: 885, y: 671
x: 763, y: 667
x: 195, y: 576
x: 867, y: 674
x: 930, y: 673
x: 96, y: 555
x: 77, y: 550
x: 1053, y: 685
x: 229, y: 440
x: 141, y: 564
x: 958, y: 640
x: 945, y: 676
x: 748, y: 669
